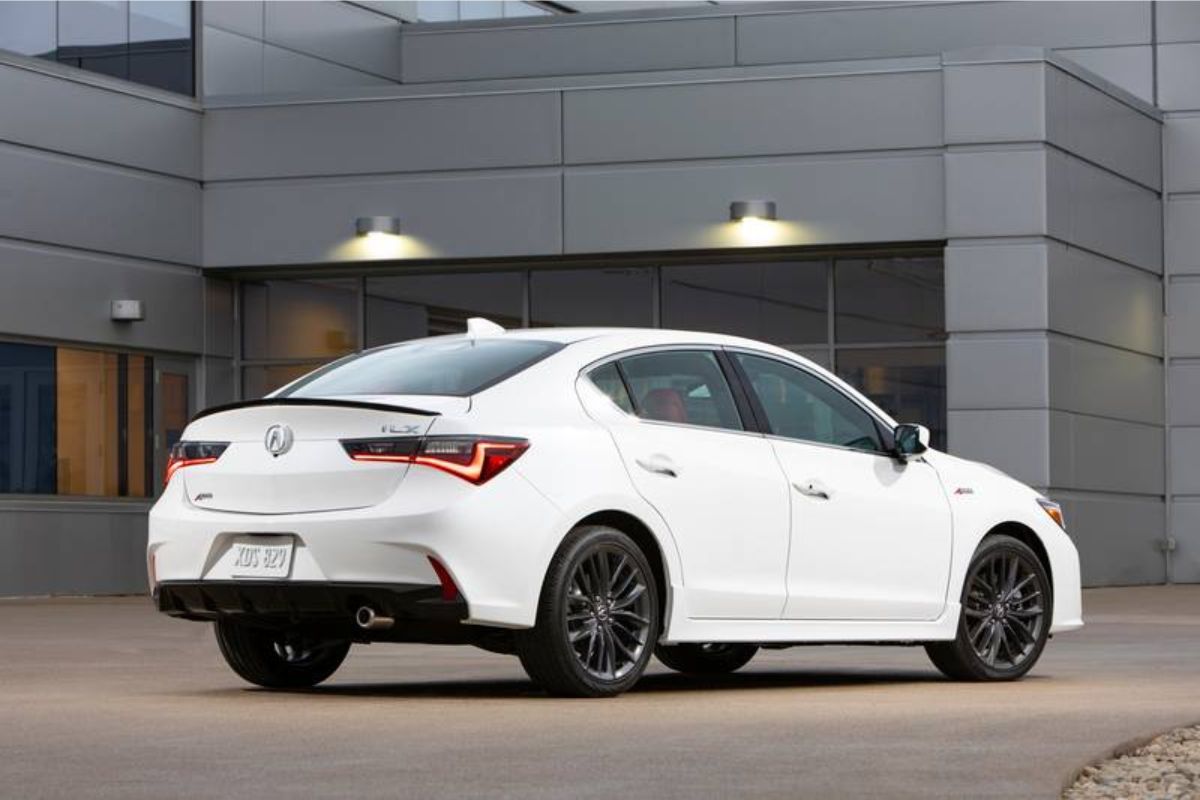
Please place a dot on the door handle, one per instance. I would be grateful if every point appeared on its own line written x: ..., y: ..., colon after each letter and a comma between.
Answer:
x: 659, y: 465
x: 813, y: 488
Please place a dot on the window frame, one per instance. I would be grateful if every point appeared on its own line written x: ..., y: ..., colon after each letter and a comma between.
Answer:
x: 885, y: 433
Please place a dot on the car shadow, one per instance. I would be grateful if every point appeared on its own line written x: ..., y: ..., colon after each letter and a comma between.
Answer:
x: 648, y: 685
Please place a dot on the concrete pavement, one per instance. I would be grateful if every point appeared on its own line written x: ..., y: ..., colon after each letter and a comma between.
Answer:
x: 104, y: 698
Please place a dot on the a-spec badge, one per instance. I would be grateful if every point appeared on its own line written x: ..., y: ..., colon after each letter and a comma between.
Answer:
x: 278, y: 440
x: 964, y: 490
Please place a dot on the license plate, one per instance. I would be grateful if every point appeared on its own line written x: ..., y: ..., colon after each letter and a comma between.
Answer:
x: 261, y: 557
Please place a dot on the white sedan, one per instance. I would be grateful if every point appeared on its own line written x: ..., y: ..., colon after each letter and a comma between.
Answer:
x: 585, y: 498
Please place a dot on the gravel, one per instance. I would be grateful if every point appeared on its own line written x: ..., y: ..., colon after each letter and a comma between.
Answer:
x: 1167, y: 767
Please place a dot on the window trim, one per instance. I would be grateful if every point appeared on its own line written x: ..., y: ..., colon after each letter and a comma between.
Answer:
x: 886, y: 435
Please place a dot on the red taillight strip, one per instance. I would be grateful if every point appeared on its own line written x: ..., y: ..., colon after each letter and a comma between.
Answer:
x: 479, y: 468
x: 175, y: 465
x: 488, y: 456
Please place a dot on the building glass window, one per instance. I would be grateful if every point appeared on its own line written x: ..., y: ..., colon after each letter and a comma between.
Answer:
x: 412, y: 306
x: 618, y: 296
x: 146, y: 41
x: 878, y: 322
x: 76, y: 422
x: 784, y: 303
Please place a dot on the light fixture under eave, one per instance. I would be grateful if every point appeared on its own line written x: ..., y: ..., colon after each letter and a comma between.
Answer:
x: 365, y: 226
x: 740, y: 210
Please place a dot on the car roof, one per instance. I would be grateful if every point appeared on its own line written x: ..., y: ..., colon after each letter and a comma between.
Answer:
x: 652, y: 336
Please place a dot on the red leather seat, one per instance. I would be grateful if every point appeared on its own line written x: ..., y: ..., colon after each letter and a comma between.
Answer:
x: 666, y: 405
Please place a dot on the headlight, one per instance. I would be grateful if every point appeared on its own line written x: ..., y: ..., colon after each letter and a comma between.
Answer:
x: 1053, y: 510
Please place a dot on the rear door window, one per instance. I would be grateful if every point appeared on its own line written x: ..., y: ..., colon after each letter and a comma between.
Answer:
x: 681, y: 386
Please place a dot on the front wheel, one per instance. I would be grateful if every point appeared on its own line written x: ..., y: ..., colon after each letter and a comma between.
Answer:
x: 716, y: 658
x: 1005, y: 616
x: 278, y: 659
x: 597, y: 617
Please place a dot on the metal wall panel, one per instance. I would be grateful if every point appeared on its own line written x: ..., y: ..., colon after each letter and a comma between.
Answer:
x: 1131, y: 68
x: 996, y: 286
x: 1117, y: 536
x: 218, y: 317
x: 1185, y: 461
x: 1178, y: 66
x: 447, y: 217
x: 120, y: 128
x: 1102, y: 129
x: 244, y: 17
x: 1183, y: 235
x: 231, y: 63
x: 106, y: 547
x: 741, y: 118
x: 288, y: 71
x: 338, y: 32
x: 61, y: 200
x: 989, y: 103
x: 1185, y: 561
x: 1103, y: 212
x: 1001, y: 371
x: 1182, y: 140
x: 80, y: 286
x: 1106, y: 301
x: 1183, y: 324
x: 881, y: 32
x: 566, y: 49
x: 819, y: 202
x: 1184, y: 389
x: 1105, y: 381
x: 1104, y: 455
x: 996, y: 193
x: 505, y: 130
x: 1178, y: 22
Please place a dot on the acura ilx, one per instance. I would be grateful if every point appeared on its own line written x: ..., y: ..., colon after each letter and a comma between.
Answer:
x: 587, y: 498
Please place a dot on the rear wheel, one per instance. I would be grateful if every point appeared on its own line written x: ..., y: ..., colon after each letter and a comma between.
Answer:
x: 597, y: 619
x: 1005, y: 617
x: 278, y: 659
x: 706, y: 659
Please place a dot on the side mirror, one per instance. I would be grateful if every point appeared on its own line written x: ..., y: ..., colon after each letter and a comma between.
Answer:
x: 910, y: 440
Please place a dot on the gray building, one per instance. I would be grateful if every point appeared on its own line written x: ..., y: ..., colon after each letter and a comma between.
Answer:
x: 987, y: 217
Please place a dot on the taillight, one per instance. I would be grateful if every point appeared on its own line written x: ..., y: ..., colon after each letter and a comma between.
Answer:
x: 190, y: 454
x: 477, y: 459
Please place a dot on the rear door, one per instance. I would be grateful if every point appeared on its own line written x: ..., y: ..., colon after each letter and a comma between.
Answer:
x: 717, y: 484
x: 871, y: 534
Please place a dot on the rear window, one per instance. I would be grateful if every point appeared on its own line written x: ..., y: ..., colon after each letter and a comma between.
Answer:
x: 455, y: 367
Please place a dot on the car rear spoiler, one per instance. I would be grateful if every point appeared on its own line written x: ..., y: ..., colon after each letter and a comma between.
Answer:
x: 314, y: 401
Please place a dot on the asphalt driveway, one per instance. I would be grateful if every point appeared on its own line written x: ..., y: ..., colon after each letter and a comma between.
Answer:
x: 104, y: 698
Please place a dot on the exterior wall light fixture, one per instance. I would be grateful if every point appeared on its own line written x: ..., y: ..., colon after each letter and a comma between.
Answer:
x: 127, y: 311
x: 740, y: 210
x: 367, y: 226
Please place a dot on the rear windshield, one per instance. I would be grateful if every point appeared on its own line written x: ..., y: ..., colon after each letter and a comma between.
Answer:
x: 455, y: 367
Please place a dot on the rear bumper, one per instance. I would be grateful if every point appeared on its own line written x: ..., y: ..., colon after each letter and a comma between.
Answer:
x: 420, y: 612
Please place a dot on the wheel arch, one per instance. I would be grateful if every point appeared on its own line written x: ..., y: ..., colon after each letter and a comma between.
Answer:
x: 1026, y: 535
x: 645, y: 539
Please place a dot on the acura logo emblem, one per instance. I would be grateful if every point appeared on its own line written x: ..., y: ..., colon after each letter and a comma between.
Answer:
x: 278, y: 439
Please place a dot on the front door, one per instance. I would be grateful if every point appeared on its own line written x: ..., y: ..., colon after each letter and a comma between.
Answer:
x: 871, y: 535
x: 718, y: 486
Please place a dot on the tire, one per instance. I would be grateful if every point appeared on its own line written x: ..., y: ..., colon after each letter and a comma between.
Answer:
x: 706, y: 659
x: 597, y: 619
x: 276, y: 659
x: 1007, y: 603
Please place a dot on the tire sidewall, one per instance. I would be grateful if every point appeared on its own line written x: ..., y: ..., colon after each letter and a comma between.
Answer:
x: 989, y: 547
x: 553, y: 611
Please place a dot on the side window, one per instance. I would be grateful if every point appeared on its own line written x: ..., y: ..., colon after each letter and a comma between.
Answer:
x: 685, y: 386
x: 802, y: 406
x: 608, y: 380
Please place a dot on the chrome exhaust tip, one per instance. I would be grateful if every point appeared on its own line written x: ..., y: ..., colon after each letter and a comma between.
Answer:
x: 368, y: 620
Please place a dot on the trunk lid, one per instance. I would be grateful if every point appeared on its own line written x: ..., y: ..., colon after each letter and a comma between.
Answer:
x: 311, y: 472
